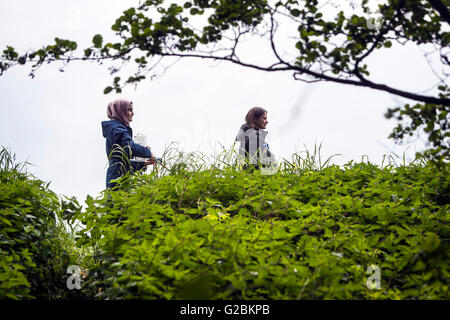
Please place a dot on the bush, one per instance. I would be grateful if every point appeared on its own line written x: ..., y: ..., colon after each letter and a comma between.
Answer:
x: 309, y: 231
x: 33, y: 258
x: 297, y: 234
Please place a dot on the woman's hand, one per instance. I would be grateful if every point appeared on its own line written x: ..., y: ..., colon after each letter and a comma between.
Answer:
x: 149, y: 161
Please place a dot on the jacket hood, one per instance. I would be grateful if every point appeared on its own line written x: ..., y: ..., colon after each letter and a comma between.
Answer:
x: 108, y: 126
x: 245, y: 127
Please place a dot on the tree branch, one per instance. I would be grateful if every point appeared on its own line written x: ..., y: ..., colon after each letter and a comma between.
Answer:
x: 369, y: 84
x: 272, y: 43
x: 298, y: 70
x: 441, y: 8
x: 383, y: 31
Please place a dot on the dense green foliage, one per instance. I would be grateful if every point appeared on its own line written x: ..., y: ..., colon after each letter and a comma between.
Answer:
x: 34, y: 253
x: 298, y: 234
x: 309, y: 231
x: 433, y: 119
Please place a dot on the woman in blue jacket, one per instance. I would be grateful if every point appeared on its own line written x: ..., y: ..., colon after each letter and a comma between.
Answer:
x: 120, y: 147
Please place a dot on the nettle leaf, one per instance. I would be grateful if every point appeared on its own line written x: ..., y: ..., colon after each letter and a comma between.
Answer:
x: 431, y: 242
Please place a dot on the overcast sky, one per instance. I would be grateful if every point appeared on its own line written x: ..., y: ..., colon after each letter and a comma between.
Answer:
x: 53, y: 120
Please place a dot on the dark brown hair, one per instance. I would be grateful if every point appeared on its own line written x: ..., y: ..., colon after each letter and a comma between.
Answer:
x: 253, y: 115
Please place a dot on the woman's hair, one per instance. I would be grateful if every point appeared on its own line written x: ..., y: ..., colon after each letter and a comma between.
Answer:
x: 117, y: 110
x: 253, y: 115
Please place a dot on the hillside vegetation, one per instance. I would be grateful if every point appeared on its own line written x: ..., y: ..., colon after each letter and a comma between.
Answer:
x: 309, y: 231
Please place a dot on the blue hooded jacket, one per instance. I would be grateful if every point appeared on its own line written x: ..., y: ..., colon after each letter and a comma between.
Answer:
x: 120, y: 148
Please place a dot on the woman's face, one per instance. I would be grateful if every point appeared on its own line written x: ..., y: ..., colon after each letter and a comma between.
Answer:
x: 262, y: 122
x: 130, y: 112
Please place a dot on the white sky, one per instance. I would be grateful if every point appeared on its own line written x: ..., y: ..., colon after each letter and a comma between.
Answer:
x: 53, y: 121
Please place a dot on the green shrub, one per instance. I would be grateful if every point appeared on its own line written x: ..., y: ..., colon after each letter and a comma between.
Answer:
x: 33, y: 259
x: 298, y: 234
x: 213, y: 231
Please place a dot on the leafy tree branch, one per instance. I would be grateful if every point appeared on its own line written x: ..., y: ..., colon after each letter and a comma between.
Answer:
x: 329, y: 44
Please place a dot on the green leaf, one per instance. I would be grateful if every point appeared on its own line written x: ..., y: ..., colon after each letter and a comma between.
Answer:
x: 22, y: 60
x: 295, y: 12
x: 107, y: 90
x: 97, y: 40
x: 431, y: 242
x: 445, y: 39
x: 87, y: 52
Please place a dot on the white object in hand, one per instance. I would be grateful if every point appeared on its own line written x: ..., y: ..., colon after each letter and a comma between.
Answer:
x: 142, y: 140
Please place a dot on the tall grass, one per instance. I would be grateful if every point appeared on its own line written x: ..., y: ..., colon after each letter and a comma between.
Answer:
x: 175, y: 160
x: 225, y: 159
x: 307, y: 161
x: 65, y: 228
x: 8, y: 162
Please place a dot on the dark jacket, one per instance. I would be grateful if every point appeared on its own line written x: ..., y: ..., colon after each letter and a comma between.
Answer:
x: 120, y: 148
x: 253, y: 148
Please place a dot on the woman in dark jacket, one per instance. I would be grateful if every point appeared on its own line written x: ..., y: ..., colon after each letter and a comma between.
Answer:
x: 253, y: 149
x: 120, y: 147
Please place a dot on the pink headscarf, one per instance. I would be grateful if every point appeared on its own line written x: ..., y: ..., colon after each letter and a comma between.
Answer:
x: 118, y: 110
